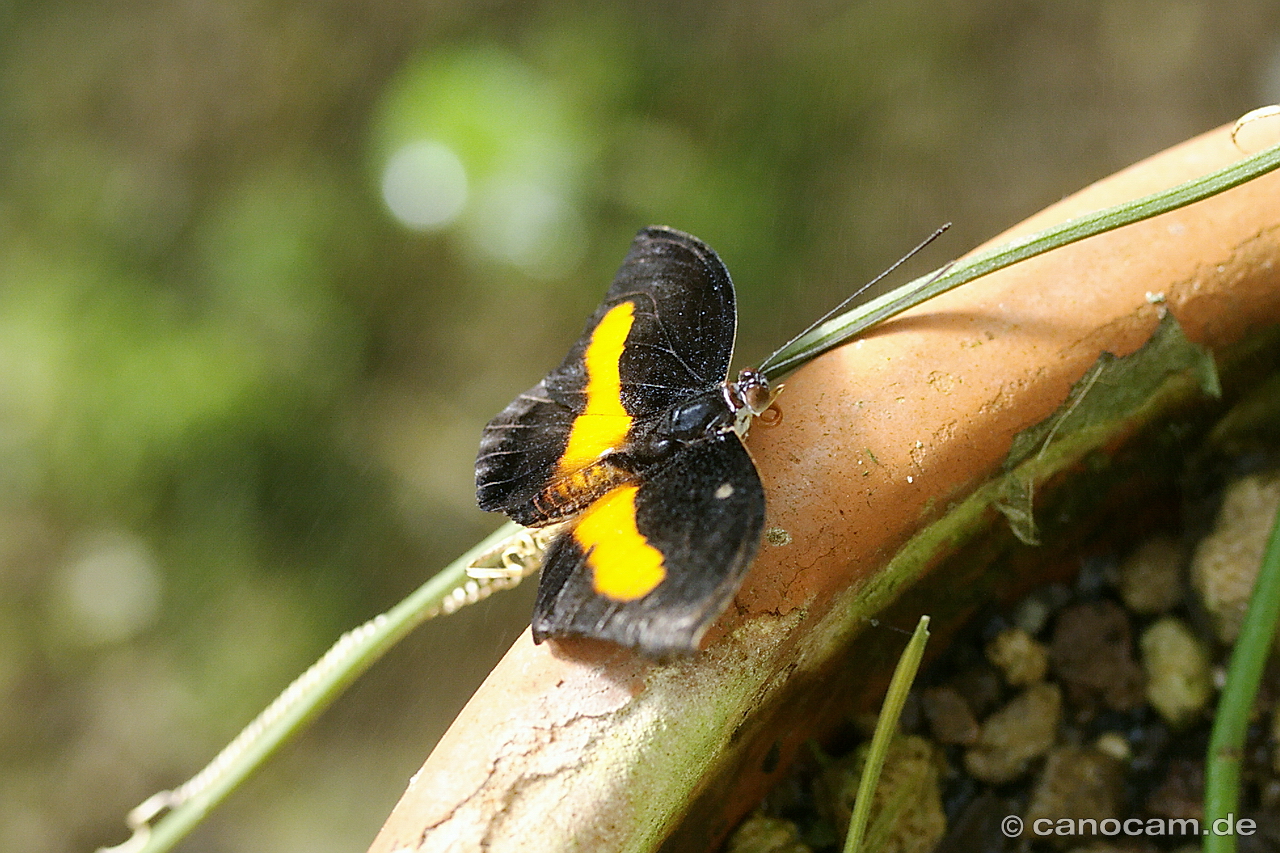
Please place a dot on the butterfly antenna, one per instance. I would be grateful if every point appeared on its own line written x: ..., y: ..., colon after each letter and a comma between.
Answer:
x: 764, y: 365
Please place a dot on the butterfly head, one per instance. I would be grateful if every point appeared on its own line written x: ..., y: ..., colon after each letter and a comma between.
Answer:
x: 748, y: 396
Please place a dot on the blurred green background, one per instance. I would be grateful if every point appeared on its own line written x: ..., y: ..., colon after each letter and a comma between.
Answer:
x: 266, y: 269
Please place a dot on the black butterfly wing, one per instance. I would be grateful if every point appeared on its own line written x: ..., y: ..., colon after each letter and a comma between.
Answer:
x: 685, y: 320
x: 652, y: 566
x: 664, y: 332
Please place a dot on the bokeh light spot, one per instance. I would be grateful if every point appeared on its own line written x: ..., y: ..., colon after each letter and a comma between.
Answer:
x: 109, y: 589
x: 529, y: 226
x: 425, y: 185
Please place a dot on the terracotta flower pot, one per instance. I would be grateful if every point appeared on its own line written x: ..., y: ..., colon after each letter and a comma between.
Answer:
x: 878, y: 472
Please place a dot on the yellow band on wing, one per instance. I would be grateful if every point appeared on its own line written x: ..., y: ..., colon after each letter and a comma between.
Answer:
x: 603, y: 424
x: 624, y: 565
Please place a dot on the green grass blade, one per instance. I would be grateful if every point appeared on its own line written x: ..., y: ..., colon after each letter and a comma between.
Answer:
x: 307, y: 696
x: 1244, y: 674
x: 886, y: 727
x: 840, y: 329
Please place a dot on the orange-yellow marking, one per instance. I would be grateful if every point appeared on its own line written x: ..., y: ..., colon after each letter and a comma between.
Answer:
x: 603, y: 424
x: 624, y: 565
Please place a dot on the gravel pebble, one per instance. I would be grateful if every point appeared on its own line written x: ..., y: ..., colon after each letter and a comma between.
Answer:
x: 906, y: 811
x: 763, y: 834
x: 1180, y: 793
x: 980, y: 686
x: 1077, y: 783
x: 1092, y: 654
x: 1018, y: 733
x: 1019, y: 657
x: 1150, y: 580
x: 1178, y: 668
x: 1115, y: 745
x: 1225, y: 564
x: 950, y: 718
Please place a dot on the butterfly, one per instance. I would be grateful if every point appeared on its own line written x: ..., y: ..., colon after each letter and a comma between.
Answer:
x: 635, y: 442
x: 635, y: 445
